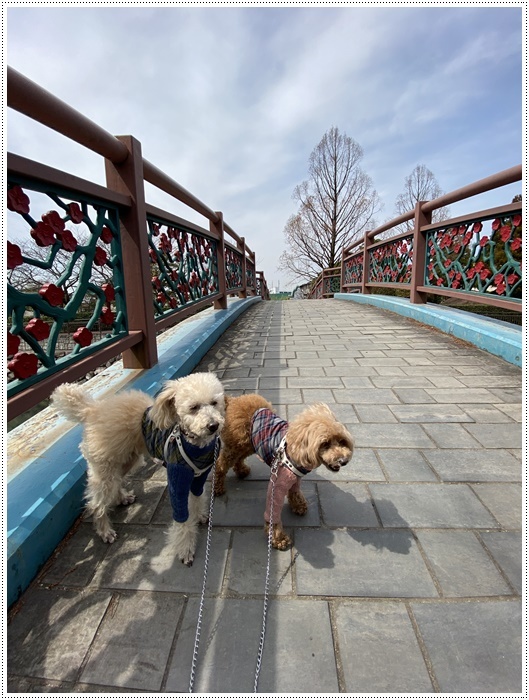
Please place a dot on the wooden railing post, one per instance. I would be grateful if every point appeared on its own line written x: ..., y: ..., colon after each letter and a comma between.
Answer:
x: 243, y: 293
x: 342, y: 271
x: 127, y: 178
x: 218, y: 228
x: 419, y: 255
x: 365, y: 265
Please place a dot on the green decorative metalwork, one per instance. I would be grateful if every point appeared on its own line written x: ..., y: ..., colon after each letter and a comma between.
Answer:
x: 234, y: 262
x: 481, y: 256
x: 184, y: 266
x: 331, y: 285
x: 391, y: 263
x: 65, y: 296
x: 250, y: 275
x: 354, y: 269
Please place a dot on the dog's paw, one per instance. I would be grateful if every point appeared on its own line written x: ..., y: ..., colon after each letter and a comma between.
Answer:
x: 220, y: 489
x: 109, y: 536
x: 127, y: 497
x: 281, y: 541
x: 203, y: 519
x: 298, y: 504
x: 188, y: 558
x: 243, y: 471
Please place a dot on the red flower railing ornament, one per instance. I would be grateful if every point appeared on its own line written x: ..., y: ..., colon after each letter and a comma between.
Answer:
x: 58, y: 277
x: 183, y: 266
x: 481, y: 257
x: 23, y: 365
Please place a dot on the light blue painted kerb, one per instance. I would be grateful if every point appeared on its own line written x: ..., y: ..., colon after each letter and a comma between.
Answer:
x: 497, y: 337
x: 45, y: 498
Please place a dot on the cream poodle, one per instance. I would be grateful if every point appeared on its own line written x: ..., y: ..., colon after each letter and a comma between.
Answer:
x: 180, y: 427
x: 314, y: 437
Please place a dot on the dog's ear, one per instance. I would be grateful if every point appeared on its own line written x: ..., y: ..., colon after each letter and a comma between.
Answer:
x: 303, y: 446
x: 163, y: 412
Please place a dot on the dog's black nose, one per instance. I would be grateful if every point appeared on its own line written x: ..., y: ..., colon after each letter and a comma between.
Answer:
x: 213, y: 427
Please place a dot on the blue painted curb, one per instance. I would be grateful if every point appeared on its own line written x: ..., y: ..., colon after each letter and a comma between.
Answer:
x: 497, y: 337
x: 45, y: 498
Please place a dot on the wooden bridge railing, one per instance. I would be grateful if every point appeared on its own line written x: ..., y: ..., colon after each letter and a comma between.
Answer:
x: 476, y: 257
x: 78, y: 250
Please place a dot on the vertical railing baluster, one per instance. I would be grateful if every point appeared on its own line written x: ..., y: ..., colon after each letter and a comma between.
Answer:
x: 365, y: 266
x: 243, y: 293
x: 127, y: 178
x: 419, y: 254
x: 218, y: 228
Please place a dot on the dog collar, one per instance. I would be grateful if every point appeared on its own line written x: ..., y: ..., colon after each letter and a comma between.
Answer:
x: 283, y: 458
x: 175, y: 436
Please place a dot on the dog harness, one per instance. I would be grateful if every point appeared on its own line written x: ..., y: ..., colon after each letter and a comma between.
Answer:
x: 187, y: 465
x: 268, y: 435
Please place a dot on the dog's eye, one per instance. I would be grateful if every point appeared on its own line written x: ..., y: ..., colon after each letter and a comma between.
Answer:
x: 214, y: 403
x: 194, y: 408
x: 343, y: 443
x: 325, y: 444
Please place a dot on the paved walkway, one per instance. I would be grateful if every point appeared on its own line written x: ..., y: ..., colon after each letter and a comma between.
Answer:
x: 405, y: 575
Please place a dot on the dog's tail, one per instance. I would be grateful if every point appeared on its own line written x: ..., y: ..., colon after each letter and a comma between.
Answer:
x: 72, y: 401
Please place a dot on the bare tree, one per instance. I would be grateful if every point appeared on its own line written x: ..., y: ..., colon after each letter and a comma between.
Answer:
x: 420, y: 185
x: 336, y: 205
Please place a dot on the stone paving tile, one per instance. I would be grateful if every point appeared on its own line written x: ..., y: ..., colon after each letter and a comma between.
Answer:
x: 461, y: 565
x: 430, y: 505
x: 364, y: 466
x: 402, y: 382
x: 406, y: 465
x: 247, y: 565
x: 430, y: 413
x: 492, y: 382
x: 365, y: 396
x: 474, y: 646
x: 370, y: 563
x: 346, y: 505
x: 244, y: 504
x: 314, y: 383
x: 474, y: 465
x: 318, y: 395
x: 504, y: 502
x: 52, y: 636
x: 483, y: 413
x: 75, y: 562
x: 389, y: 435
x: 462, y: 396
x: 148, y: 496
x: 507, y: 395
x: 494, y: 436
x: 379, y: 650
x: 513, y: 410
x: 226, y: 661
x: 344, y: 412
x: 375, y: 413
x: 141, y: 559
x: 415, y: 396
x: 125, y: 649
x: 506, y: 548
x: 449, y: 435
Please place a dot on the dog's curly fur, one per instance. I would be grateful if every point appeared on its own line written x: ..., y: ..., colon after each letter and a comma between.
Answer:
x: 113, y: 442
x: 314, y: 437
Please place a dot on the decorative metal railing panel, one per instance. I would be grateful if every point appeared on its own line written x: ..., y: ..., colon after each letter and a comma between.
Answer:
x: 234, y: 262
x: 64, y: 273
x: 392, y: 262
x: 331, y: 285
x: 317, y: 290
x: 481, y: 256
x: 183, y: 264
x: 354, y: 269
x: 250, y: 275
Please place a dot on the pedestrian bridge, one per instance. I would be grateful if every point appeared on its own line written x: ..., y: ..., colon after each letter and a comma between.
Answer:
x: 405, y: 575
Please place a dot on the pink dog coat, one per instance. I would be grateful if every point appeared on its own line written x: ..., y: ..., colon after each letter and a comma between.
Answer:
x: 268, y: 431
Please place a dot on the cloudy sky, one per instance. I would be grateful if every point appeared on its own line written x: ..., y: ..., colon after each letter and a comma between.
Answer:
x: 230, y: 101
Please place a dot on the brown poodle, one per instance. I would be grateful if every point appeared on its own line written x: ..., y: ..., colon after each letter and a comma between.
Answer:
x: 314, y: 437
